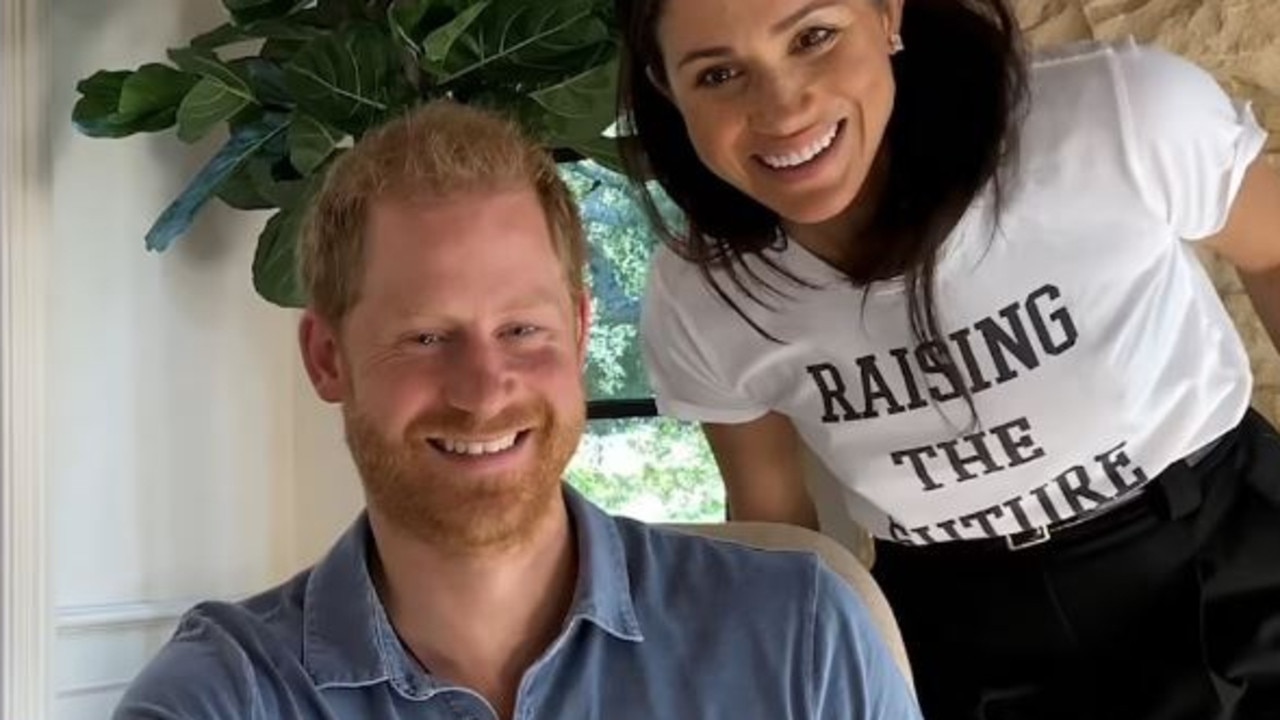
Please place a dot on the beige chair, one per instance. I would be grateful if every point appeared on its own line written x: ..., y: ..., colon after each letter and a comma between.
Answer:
x: 828, y: 499
x: 775, y: 536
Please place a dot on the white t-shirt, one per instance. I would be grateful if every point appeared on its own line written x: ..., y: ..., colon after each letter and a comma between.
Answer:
x: 1093, y: 343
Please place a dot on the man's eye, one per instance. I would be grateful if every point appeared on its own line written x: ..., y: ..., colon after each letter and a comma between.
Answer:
x: 428, y: 339
x: 715, y: 77
x: 814, y: 37
x: 523, y: 331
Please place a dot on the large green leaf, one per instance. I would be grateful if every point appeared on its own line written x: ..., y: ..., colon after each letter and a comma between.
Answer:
x: 248, y: 11
x: 266, y: 81
x: 294, y: 27
x: 344, y: 79
x: 513, y: 33
x: 335, y: 13
x: 581, y: 107
x: 280, y: 51
x: 266, y: 180
x: 221, y: 36
x: 243, y: 143
x: 153, y: 88
x: 437, y: 44
x: 220, y: 94
x: 310, y: 143
x: 290, y: 28
x: 277, y: 180
x: 283, y: 29
x: 525, y: 78
x: 208, y: 104
x: 606, y: 10
x: 240, y: 189
x: 116, y: 103
x: 403, y: 17
x: 275, y: 262
x: 206, y: 63
x: 95, y: 112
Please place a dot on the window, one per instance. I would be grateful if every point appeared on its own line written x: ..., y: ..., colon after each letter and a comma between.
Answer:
x: 630, y: 462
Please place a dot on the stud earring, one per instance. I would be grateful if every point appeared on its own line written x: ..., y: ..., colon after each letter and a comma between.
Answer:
x: 895, y: 44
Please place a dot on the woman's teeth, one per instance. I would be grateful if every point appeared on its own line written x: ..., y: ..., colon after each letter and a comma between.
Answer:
x: 800, y: 157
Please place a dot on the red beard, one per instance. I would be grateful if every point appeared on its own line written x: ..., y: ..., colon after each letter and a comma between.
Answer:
x: 406, y: 481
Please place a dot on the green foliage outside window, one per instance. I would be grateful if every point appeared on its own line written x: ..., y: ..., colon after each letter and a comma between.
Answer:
x: 656, y: 468
x: 653, y: 469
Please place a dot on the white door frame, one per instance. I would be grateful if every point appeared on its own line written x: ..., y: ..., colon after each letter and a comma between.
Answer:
x: 25, y: 170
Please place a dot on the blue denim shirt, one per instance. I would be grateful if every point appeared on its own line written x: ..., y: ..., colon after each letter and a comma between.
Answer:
x: 663, y: 625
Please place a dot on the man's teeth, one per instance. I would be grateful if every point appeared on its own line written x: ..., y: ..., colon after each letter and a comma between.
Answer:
x: 461, y: 447
x: 802, y: 156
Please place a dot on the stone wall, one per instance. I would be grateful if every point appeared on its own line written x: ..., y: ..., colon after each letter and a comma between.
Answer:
x: 1239, y: 42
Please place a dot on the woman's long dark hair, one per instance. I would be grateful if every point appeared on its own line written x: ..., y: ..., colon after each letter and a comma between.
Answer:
x: 961, y: 82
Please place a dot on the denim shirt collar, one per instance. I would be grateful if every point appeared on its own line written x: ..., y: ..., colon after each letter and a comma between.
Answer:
x: 348, y: 639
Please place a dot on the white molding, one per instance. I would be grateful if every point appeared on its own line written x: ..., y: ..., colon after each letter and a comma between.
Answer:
x: 25, y: 628
x: 96, y: 688
x: 112, y: 617
x: 82, y: 622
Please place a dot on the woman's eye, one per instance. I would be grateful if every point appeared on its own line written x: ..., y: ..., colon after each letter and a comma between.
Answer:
x: 814, y: 37
x: 716, y: 76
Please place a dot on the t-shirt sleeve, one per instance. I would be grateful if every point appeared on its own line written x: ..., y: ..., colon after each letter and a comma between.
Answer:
x: 683, y: 365
x: 1190, y: 143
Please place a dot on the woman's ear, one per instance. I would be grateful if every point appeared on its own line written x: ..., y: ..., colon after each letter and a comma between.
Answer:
x: 893, y: 17
x: 659, y: 83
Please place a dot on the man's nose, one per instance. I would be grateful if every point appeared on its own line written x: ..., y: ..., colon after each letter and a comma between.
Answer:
x: 479, y: 380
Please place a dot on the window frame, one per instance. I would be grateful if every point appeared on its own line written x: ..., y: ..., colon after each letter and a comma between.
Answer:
x: 621, y: 408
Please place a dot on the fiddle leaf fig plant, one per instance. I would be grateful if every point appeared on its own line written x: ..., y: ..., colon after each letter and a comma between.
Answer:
x: 291, y: 83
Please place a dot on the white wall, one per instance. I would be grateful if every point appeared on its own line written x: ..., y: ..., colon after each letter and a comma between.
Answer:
x: 327, y: 493
x: 172, y: 388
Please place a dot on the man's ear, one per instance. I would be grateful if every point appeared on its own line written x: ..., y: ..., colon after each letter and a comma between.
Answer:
x: 322, y: 356
x: 584, y: 326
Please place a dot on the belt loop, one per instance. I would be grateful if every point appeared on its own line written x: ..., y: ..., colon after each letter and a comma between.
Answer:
x: 1026, y: 539
x: 1180, y: 489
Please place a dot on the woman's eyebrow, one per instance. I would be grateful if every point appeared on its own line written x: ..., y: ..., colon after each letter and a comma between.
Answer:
x: 794, y: 18
x: 778, y: 28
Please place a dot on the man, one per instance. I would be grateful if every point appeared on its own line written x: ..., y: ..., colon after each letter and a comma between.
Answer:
x: 448, y: 316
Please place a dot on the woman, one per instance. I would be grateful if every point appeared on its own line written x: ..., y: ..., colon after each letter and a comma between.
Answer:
x: 969, y: 285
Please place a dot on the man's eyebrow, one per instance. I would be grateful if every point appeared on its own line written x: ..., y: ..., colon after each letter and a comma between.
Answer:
x: 536, y: 299
x: 779, y: 27
x: 529, y: 301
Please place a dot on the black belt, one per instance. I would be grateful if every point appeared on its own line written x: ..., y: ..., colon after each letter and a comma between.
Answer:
x: 1045, y: 533
x: 1121, y: 510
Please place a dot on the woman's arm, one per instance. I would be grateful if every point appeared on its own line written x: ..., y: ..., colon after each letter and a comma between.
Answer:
x: 1251, y: 242
x: 763, y: 474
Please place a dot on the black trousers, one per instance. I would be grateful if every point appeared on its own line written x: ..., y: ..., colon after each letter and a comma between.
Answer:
x: 1166, y: 608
